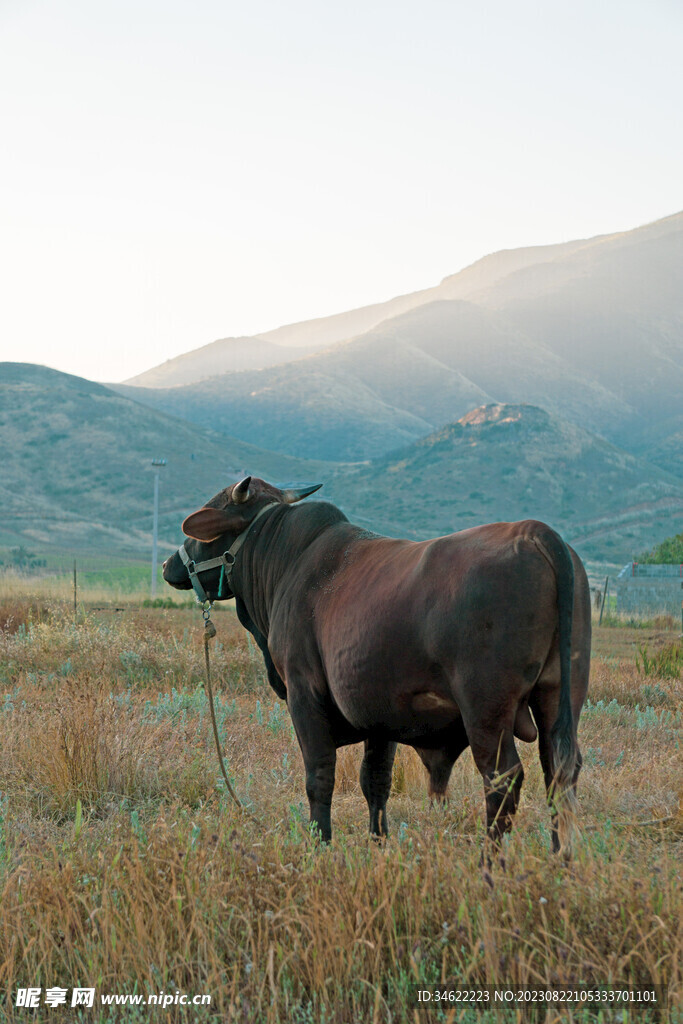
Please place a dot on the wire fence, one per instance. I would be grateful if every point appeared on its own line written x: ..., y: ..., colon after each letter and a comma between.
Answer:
x: 91, y: 576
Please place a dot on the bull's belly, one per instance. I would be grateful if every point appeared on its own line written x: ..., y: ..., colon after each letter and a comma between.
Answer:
x: 403, y: 713
x: 425, y: 730
x: 419, y: 712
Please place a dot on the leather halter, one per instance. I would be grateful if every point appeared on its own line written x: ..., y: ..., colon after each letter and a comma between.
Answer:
x: 226, y: 560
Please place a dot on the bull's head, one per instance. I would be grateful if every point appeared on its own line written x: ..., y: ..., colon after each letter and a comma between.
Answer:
x: 212, y: 529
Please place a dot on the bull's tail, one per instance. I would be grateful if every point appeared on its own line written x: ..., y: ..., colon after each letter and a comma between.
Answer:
x: 563, y: 747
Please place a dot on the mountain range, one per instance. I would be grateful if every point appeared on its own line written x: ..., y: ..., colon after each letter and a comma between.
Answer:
x: 232, y: 354
x: 78, y: 474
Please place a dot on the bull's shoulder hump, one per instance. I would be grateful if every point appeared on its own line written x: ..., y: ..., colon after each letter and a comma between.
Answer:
x: 314, y: 531
x: 316, y: 513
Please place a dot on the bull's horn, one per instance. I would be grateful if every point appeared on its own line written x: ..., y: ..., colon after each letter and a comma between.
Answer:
x: 240, y: 491
x: 293, y: 494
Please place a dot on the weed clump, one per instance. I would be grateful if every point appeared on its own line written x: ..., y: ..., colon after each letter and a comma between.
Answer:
x: 21, y: 612
x: 666, y: 663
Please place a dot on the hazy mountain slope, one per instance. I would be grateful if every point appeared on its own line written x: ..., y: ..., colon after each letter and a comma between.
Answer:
x: 76, y: 464
x: 663, y: 445
x: 360, y: 399
x: 317, y: 411
x: 481, y: 274
x: 353, y: 401
x: 489, y: 271
x: 294, y: 340
x: 579, y: 260
x: 228, y: 355
x: 592, y: 331
x: 498, y: 359
x: 612, y: 311
x: 505, y: 462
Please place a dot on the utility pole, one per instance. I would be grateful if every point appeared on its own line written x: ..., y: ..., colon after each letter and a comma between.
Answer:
x: 157, y: 463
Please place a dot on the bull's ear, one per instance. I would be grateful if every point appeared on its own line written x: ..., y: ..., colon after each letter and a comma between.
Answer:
x: 206, y: 524
x: 292, y: 494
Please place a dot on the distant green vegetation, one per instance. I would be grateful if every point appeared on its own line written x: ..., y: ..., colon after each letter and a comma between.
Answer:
x: 127, y: 579
x: 669, y: 552
x: 21, y: 558
x: 174, y: 603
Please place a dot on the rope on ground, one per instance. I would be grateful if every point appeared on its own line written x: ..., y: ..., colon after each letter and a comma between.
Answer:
x: 209, y: 634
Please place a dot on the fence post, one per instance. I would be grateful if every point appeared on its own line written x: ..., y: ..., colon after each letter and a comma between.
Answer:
x: 75, y: 592
x: 604, y: 598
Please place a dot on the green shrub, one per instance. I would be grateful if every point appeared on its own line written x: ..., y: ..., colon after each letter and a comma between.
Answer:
x: 669, y: 552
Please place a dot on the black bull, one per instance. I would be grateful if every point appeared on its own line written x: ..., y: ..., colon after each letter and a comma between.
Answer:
x: 439, y: 644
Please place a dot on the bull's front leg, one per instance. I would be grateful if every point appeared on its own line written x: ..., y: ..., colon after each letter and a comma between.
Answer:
x: 320, y: 758
x: 375, y: 781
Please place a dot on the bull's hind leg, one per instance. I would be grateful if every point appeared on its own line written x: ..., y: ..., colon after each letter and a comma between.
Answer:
x: 544, y: 704
x: 496, y: 757
x: 375, y: 781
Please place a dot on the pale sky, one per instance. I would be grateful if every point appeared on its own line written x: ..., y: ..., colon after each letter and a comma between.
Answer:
x: 176, y: 172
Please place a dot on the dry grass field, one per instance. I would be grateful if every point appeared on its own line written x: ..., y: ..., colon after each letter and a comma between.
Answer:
x: 125, y: 867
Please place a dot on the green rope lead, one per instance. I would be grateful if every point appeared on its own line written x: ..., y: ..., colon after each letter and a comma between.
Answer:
x: 221, y: 582
x: 209, y: 634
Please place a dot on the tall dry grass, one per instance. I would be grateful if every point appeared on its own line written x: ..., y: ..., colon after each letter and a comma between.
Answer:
x: 124, y: 866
